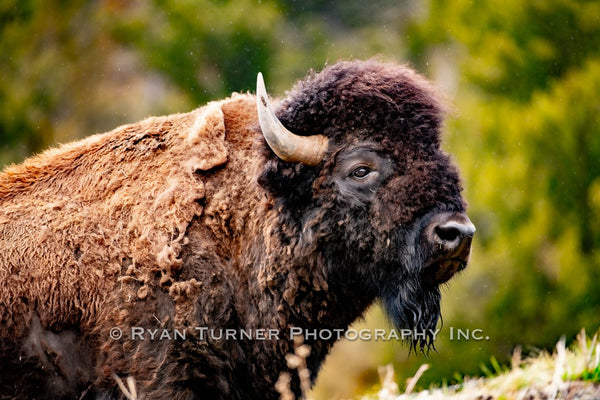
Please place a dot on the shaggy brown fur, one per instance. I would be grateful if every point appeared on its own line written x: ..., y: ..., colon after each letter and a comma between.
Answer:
x: 190, y: 221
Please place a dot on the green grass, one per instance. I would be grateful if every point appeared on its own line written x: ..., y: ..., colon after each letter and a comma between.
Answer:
x: 590, y: 376
x: 590, y: 353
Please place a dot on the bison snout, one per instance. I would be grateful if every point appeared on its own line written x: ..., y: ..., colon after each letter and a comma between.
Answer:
x: 453, y: 233
x: 450, y: 236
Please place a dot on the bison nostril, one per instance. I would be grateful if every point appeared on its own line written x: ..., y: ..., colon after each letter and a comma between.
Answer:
x: 447, y: 234
x: 454, y: 231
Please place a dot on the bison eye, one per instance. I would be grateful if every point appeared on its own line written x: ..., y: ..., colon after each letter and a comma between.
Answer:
x: 361, y: 172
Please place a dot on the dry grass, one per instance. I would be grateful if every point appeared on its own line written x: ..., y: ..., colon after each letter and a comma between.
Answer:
x: 130, y: 392
x: 295, y: 361
x: 565, y: 374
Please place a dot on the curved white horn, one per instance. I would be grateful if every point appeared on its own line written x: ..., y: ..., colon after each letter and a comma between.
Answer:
x: 286, y: 145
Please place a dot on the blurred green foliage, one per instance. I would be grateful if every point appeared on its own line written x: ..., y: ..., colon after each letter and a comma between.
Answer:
x: 524, y: 78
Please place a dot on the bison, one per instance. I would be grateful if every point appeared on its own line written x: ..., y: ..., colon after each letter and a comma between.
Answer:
x: 119, y: 253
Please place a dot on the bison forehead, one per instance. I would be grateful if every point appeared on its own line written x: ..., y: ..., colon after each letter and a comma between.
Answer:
x: 366, y: 97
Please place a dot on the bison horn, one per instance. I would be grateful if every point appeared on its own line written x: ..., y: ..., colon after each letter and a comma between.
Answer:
x: 286, y: 145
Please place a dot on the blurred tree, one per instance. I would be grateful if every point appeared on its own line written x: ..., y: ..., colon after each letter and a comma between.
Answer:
x: 62, y: 76
x: 30, y: 82
x: 513, y: 49
x: 207, y: 48
x: 347, y: 15
x: 549, y: 232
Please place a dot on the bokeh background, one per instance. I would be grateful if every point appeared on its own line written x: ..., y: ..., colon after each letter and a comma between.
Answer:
x: 524, y: 78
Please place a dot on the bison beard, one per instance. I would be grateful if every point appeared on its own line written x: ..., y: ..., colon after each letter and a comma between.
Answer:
x: 410, y: 306
x: 192, y: 220
x: 409, y: 303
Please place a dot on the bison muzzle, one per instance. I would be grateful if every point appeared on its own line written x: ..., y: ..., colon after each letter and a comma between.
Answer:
x: 237, y: 216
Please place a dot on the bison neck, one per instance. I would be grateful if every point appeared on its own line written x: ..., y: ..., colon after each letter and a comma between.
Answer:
x: 274, y: 294
x: 289, y: 291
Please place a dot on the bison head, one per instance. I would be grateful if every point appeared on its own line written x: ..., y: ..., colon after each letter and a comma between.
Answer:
x: 357, y: 168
